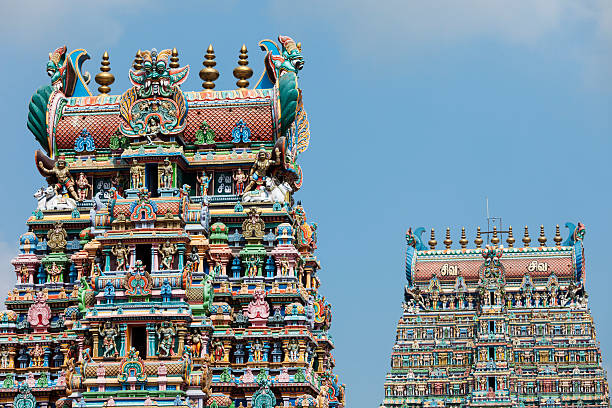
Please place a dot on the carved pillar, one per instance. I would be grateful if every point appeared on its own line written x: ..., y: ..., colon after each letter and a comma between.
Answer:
x: 181, y: 333
x: 122, y: 337
x: 151, y: 349
x: 12, y: 353
x: 96, y: 341
x: 154, y: 257
x: 132, y: 248
x: 181, y: 255
x: 227, y: 346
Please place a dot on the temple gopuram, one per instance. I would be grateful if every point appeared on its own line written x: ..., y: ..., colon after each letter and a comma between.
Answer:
x: 166, y: 262
x: 496, y: 326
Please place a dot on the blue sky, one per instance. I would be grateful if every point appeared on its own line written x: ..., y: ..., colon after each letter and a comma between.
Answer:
x: 418, y: 111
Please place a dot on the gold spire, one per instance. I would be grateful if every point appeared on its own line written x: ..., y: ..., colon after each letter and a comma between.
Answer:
x: 495, y: 239
x: 542, y: 237
x: 448, y: 241
x: 432, y: 241
x: 478, y: 240
x: 463, y: 241
x: 209, y: 74
x: 137, y: 64
x: 104, y: 78
x: 510, y: 240
x: 174, y: 59
x: 526, y: 239
x: 243, y: 72
x: 557, y: 237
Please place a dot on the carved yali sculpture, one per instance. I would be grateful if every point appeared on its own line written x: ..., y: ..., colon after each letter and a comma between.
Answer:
x: 253, y: 228
x: 56, y: 238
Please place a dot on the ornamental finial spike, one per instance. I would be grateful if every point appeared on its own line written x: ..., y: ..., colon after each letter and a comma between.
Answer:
x: 448, y: 241
x: 542, y: 237
x: 104, y: 78
x: 137, y: 64
x: 209, y: 74
x: 510, y: 240
x: 557, y: 237
x: 495, y: 238
x: 526, y: 238
x: 243, y: 72
x: 432, y: 241
x: 478, y: 240
x: 174, y: 59
x: 463, y: 241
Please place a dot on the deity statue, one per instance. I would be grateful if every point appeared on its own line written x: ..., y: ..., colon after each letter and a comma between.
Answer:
x: 167, y: 252
x: 261, y: 167
x: 284, y: 266
x: 122, y: 253
x: 56, y: 238
x: 5, y: 357
x: 293, y: 349
x: 38, y: 355
x: 218, y: 350
x: 196, y: 342
x: 24, y: 274
x: 252, y: 265
x: 137, y: 174
x: 83, y: 186
x: 166, y: 333
x: 166, y: 291
x: 204, y: 181
x: 166, y: 172
x: 257, y: 351
x: 61, y: 174
x: 54, y: 273
x: 109, y: 346
x: 240, y: 178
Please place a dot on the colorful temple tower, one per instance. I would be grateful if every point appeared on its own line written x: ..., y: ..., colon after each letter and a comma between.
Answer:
x: 495, y: 326
x: 166, y: 262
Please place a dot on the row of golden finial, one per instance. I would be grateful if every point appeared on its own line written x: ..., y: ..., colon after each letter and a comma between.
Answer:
x: 208, y: 74
x: 495, y: 239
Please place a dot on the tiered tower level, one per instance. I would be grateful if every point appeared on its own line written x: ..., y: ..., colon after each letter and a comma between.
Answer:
x: 496, y: 326
x: 166, y: 262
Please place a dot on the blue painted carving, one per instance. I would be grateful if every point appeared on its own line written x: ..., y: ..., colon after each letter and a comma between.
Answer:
x: 84, y: 142
x: 241, y: 132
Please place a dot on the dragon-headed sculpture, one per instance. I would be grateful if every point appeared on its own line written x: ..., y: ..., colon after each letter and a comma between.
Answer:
x: 48, y: 101
x: 155, y: 104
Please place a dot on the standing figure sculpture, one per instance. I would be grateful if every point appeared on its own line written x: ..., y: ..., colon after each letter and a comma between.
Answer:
x: 137, y: 173
x: 196, y: 342
x: 109, y: 346
x: 62, y: 177
x: 166, y: 333
x: 83, y: 186
x: 167, y: 252
x: 166, y: 172
x: 122, y: 253
x: 261, y: 167
x: 204, y: 181
x: 240, y: 178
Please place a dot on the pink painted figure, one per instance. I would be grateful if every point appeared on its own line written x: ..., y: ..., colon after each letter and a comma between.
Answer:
x: 258, y: 310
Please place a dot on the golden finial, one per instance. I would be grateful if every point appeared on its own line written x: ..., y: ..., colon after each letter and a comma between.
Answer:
x: 137, y: 65
x: 526, y: 239
x: 209, y: 74
x: 557, y: 237
x: 495, y: 239
x: 174, y: 59
x: 448, y: 241
x: 463, y: 241
x: 478, y: 240
x: 243, y: 72
x: 510, y: 240
x: 542, y: 237
x: 104, y: 78
x: 432, y: 241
